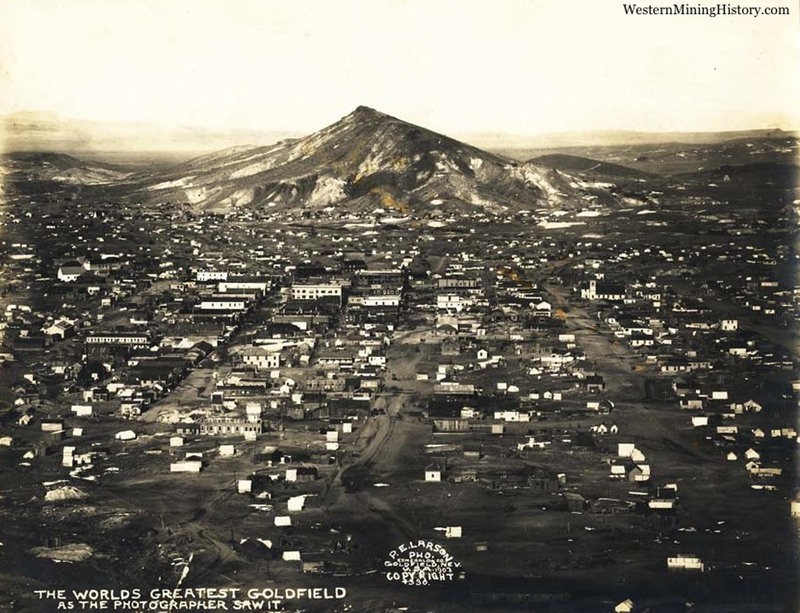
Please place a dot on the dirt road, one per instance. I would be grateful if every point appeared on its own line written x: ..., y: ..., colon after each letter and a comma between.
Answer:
x: 614, y: 360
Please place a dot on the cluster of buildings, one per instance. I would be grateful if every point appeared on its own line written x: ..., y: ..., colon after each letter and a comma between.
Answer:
x: 273, y: 347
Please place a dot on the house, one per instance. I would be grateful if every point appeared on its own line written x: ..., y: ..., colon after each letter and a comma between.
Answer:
x: 70, y: 271
x: 244, y: 283
x: 619, y: 470
x: 186, y: 466
x: 446, y: 330
x: 599, y: 429
x: 253, y: 411
x: 661, y: 504
x: 62, y: 328
x: 512, y: 416
x: 301, y: 474
x: 752, y: 454
x: 603, y: 407
x: 261, y: 358
x: 612, y: 292
x: 752, y: 405
x: 453, y: 302
x: 640, y: 473
x: 433, y: 474
x: 132, y: 407
x: 52, y: 425
x: 594, y: 383
x: 691, y: 403
x: 455, y: 388
x: 296, y: 503
x: 230, y: 425
x: 224, y: 304
x: 574, y: 502
x: 199, y: 351
x: 764, y: 472
x: 159, y: 374
x: 129, y: 339
x: 345, y: 427
x: 544, y: 481
x: 82, y: 410
x: 626, y: 606
x: 532, y: 443
x: 458, y: 282
x: 211, y: 275
x: 637, y: 455
x: 641, y: 340
x: 381, y: 300
x: 308, y: 291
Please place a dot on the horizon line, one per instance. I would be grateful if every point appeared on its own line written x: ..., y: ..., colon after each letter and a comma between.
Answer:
x: 65, y: 120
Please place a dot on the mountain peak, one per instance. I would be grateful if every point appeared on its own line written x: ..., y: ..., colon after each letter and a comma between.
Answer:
x: 362, y: 111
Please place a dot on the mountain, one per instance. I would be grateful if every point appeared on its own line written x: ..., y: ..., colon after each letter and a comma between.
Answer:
x: 59, y: 167
x: 363, y: 162
x: 579, y: 164
x: 679, y: 158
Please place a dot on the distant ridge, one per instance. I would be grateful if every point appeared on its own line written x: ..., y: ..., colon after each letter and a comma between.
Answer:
x: 753, y: 175
x: 43, y: 131
x: 608, y: 138
x: 575, y: 163
x: 59, y: 167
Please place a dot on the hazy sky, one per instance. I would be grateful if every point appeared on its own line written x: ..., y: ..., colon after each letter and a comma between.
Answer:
x: 458, y: 66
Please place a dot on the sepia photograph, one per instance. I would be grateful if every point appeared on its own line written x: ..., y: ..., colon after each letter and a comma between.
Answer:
x: 383, y: 306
